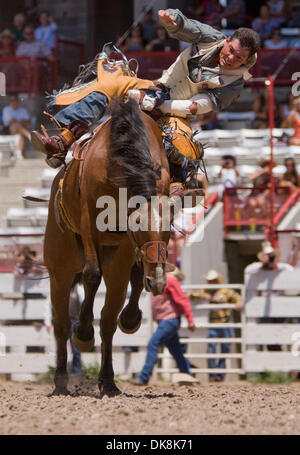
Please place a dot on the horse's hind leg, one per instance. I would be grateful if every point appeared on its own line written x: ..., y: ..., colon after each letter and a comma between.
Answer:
x: 130, y: 318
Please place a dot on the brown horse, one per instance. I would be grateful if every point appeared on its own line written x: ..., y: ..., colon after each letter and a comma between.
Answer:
x: 126, y: 152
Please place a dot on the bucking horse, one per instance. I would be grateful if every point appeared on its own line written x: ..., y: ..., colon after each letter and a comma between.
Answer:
x: 126, y: 151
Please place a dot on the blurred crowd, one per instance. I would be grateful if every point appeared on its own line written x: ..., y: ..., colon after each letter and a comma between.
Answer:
x: 24, y: 37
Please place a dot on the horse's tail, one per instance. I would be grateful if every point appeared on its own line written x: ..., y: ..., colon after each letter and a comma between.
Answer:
x: 130, y: 152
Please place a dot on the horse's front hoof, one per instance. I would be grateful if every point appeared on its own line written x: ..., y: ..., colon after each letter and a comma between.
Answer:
x: 109, y: 390
x: 59, y: 391
x: 130, y: 326
x: 81, y: 345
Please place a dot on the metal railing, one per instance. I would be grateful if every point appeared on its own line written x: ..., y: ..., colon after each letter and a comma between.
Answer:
x: 238, y: 212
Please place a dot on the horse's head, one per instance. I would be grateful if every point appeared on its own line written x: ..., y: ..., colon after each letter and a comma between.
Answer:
x: 149, y: 230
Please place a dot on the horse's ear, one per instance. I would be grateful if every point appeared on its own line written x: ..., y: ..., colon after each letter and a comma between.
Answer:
x: 169, y: 267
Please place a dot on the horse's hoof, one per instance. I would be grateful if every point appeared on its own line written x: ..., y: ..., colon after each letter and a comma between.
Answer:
x: 59, y: 391
x: 81, y: 345
x: 127, y: 328
x: 109, y: 390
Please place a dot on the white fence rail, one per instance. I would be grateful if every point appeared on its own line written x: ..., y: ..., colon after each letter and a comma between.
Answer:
x: 22, y: 332
x: 272, y: 344
x: 27, y: 348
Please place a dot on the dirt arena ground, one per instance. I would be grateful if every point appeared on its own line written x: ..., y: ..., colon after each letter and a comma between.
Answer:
x: 157, y: 409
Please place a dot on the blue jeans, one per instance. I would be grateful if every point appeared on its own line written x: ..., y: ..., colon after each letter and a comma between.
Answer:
x: 76, y: 361
x: 166, y: 334
x: 225, y: 348
x: 90, y: 109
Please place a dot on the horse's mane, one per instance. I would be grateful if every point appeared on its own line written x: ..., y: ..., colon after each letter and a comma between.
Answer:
x: 130, y: 152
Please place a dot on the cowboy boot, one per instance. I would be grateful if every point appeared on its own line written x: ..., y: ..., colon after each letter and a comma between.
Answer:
x: 56, y: 147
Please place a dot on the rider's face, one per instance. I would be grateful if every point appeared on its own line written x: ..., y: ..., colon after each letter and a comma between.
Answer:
x: 233, y: 55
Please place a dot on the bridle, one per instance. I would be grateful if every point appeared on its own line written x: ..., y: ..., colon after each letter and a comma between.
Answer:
x: 154, y: 252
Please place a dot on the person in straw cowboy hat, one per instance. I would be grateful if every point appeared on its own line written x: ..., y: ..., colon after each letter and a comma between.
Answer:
x: 268, y: 260
x: 166, y: 311
x: 7, y: 49
x: 221, y: 316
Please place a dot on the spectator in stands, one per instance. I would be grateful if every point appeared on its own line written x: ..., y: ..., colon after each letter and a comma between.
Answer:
x: 162, y: 41
x: 293, y: 13
x: 135, y: 41
x: 287, y: 108
x: 46, y: 32
x: 75, y: 302
x: 261, y: 109
x: 263, y: 24
x: 235, y: 13
x: 277, y: 11
x: 7, y: 48
x: 293, y: 121
x: 229, y: 173
x: 166, y: 311
x: 32, y: 48
x: 257, y: 201
x: 291, y: 178
x: 16, y: 120
x: 18, y: 26
x: 25, y: 264
x: 209, y: 12
x: 148, y: 26
x: 276, y: 41
x: 218, y: 317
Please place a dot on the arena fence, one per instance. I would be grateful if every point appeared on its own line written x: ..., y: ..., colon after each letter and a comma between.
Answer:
x: 27, y: 349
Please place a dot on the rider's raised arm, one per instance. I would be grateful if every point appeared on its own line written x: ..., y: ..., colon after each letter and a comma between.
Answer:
x: 190, y: 30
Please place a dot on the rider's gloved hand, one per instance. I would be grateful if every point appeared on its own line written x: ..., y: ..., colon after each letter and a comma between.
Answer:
x: 147, y: 102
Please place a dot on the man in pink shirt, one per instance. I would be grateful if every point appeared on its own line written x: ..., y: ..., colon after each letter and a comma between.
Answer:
x: 166, y: 311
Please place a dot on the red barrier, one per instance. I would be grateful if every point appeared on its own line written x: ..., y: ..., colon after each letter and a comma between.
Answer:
x: 28, y: 76
x: 250, y: 207
x: 18, y: 74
